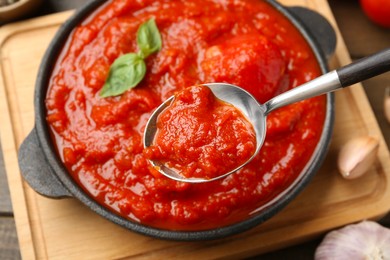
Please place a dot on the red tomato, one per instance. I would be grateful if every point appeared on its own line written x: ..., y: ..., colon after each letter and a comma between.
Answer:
x: 377, y: 10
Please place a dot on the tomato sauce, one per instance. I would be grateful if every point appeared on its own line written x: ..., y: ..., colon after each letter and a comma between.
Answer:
x: 200, y: 136
x: 246, y: 43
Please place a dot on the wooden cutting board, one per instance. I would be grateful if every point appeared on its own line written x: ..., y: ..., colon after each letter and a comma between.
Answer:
x: 52, y: 229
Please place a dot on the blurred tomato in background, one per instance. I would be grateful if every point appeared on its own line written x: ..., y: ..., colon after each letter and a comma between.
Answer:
x: 378, y: 11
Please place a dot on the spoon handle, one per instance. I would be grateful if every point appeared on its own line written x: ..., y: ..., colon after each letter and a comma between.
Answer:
x: 365, y: 68
x: 362, y: 69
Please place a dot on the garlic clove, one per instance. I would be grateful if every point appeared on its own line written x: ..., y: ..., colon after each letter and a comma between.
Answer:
x: 365, y: 240
x: 386, y: 104
x: 357, y: 156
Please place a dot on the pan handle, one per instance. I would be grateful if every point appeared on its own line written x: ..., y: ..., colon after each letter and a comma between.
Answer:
x: 318, y: 27
x: 36, y: 171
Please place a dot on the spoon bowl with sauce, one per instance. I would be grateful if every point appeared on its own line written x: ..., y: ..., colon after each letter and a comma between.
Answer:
x: 256, y: 113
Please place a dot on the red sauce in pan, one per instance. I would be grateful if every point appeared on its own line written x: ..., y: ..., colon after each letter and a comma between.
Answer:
x: 246, y: 43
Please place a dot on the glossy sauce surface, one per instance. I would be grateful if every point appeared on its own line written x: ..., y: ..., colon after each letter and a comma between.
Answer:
x: 246, y: 43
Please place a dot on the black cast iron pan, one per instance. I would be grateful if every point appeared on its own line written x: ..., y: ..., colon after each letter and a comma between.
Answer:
x: 46, y: 174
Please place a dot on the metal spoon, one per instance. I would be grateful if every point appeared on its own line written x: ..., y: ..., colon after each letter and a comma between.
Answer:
x: 256, y: 113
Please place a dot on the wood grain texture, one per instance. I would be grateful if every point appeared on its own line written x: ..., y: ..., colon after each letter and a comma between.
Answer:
x: 47, y: 228
x: 363, y: 38
x: 375, y: 89
x: 9, y: 249
x: 5, y: 200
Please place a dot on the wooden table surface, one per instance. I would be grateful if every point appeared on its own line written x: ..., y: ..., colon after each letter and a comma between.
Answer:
x: 361, y: 37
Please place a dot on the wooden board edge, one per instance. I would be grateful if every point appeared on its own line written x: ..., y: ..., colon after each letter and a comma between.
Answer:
x: 358, y: 93
x: 9, y: 142
x: 17, y: 193
x: 341, y: 53
x: 8, y: 30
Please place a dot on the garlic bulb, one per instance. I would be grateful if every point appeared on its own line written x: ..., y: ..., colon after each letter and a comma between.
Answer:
x: 357, y: 156
x: 365, y: 240
x: 386, y: 104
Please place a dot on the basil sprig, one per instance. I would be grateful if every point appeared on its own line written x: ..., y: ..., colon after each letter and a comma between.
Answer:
x: 128, y: 70
x: 148, y: 38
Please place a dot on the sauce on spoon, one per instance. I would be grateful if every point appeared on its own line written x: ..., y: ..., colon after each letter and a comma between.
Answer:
x: 201, y: 136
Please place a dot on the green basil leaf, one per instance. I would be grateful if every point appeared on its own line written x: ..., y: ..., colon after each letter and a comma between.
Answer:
x: 148, y: 38
x: 128, y: 70
x: 125, y: 73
